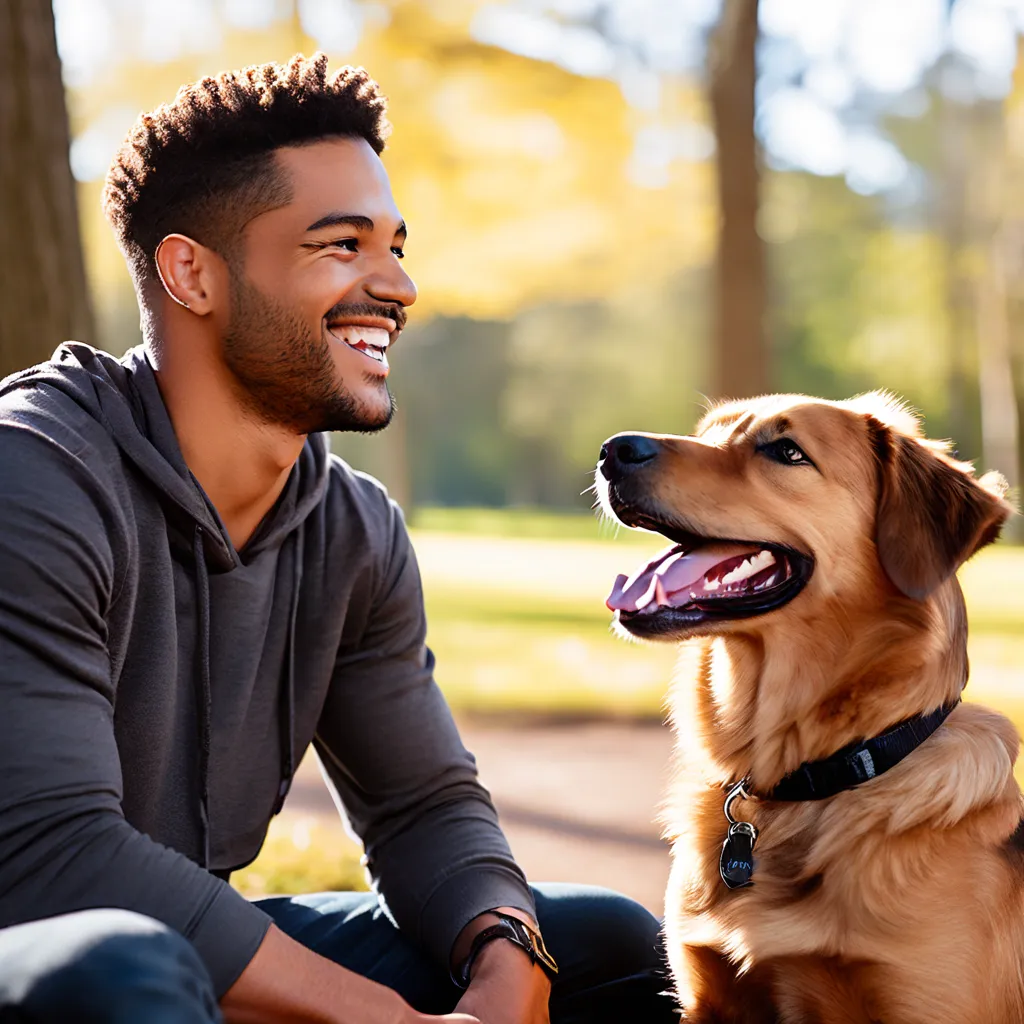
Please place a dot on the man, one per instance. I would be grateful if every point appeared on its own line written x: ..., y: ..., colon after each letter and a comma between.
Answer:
x: 192, y: 590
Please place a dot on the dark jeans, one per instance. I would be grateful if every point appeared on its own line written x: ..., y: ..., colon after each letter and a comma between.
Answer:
x: 115, y: 967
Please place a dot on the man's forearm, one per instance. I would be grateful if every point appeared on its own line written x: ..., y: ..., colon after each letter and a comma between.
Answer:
x: 505, y: 986
x: 287, y: 981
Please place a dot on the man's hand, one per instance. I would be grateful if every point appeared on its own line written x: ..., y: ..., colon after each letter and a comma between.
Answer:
x: 506, y: 987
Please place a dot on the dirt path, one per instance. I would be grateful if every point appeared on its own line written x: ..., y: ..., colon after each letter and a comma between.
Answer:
x: 577, y: 802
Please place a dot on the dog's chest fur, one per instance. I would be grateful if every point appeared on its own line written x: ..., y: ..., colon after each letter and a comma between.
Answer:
x: 852, y: 919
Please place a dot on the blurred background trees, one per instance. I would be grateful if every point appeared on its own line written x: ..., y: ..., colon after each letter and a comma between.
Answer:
x: 43, y: 294
x: 738, y: 346
x: 618, y: 207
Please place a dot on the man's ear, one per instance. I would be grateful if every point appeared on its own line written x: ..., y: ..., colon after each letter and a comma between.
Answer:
x: 933, y: 514
x: 188, y: 271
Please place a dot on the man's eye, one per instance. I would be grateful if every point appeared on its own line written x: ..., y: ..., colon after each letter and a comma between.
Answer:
x: 789, y: 453
x: 348, y: 244
x: 398, y: 251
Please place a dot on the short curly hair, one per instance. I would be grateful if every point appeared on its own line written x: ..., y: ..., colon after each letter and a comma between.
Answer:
x: 203, y: 164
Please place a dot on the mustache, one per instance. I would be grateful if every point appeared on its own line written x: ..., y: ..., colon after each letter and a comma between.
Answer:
x: 345, y: 309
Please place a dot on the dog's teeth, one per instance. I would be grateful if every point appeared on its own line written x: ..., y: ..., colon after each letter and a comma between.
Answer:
x: 750, y: 566
x: 739, y: 573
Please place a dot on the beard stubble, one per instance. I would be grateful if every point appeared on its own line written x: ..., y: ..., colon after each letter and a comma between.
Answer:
x: 285, y: 372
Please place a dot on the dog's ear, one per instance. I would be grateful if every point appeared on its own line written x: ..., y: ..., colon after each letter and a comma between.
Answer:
x: 933, y: 514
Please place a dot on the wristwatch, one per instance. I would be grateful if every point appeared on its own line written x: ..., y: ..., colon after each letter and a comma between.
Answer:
x: 512, y: 929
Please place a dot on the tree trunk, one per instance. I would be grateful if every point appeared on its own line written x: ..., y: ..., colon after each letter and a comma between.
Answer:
x: 955, y: 151
x: 995, y: 366
x: 43, y: 295
x: 739, y: 357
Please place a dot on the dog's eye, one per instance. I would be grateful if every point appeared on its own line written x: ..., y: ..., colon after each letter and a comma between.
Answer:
x: 789, y: 453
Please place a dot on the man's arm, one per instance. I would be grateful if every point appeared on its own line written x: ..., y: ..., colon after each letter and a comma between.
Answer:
x: 64, y: 842
x: 286, y: 981
x: 390, y: 747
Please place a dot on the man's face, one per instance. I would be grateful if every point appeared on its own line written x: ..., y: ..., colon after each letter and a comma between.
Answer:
x: 319, y: 294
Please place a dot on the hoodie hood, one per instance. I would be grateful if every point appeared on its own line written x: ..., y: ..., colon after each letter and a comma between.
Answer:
x: 123, y: 395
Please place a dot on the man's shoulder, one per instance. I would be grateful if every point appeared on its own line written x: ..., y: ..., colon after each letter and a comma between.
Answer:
x: 34, y: 410
x: 356, y: 485
x: 55, y: 453
x: 360, y: 512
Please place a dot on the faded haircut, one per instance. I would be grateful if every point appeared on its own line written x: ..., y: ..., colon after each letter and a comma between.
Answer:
x: 203, y: 164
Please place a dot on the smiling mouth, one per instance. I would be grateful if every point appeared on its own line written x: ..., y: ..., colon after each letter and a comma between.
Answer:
x: 702, y: 580
x: 372, y: 342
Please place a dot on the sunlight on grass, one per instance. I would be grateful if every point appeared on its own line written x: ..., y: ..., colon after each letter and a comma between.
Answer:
x: 302, y: 854
x: 518, y: 623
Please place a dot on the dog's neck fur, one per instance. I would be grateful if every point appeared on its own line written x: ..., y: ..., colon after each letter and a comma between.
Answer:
x: 765, y: 702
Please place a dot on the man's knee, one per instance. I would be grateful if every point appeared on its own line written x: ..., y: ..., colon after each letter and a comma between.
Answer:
x: 104, y: 966
x: 609, y: 933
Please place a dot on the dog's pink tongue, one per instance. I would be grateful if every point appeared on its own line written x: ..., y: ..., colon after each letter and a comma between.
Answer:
x: 668, y: 574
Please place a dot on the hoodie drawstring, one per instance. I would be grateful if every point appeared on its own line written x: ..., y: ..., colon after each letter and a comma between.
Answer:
x: 286, y: 715
x: 205, y: 696
x: 287, y: 711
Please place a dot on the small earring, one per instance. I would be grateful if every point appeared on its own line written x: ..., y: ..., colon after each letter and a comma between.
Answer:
x: 160, y: 274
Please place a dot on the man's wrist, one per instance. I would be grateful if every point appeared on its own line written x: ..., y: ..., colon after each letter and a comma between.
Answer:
x: 464, y: 942
x: 507, y: 963
x: 497, y: 929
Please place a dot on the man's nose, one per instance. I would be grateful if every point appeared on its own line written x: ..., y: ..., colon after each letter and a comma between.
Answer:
x: 393, y: 285
x: 626, y: 453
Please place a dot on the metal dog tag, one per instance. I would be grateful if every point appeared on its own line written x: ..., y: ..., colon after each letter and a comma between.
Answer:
x: 737, y: 862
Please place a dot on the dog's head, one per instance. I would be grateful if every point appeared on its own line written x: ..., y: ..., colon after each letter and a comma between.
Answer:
x: 773, y: 496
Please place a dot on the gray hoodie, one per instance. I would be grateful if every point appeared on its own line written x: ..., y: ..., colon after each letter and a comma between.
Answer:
x: 158, y: 688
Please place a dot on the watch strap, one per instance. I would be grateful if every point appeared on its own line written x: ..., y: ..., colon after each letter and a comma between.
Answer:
x: 513, y: 930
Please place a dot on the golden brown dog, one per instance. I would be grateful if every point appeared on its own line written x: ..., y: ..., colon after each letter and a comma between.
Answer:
x: 815, y: 550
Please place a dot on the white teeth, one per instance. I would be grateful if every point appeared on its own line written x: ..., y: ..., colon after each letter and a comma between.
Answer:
x: 749, y: 567
x: 372, y: 337
x: 371, y: 341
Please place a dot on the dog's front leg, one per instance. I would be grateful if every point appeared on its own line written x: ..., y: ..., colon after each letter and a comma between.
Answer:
x: 711, y: 992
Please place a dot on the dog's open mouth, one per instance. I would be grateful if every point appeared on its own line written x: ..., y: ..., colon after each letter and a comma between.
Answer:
x: 700, y: 580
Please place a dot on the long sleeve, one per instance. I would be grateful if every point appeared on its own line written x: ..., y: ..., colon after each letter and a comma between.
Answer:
x: 64, y: 842
x: 389, y: 745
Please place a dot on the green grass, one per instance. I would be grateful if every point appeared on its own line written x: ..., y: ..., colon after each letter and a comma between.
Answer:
x: 517, y: 522
x: 515, y: 606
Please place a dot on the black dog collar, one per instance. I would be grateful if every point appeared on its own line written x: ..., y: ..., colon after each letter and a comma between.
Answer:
x: 816, y: 780
x: 858, y: 762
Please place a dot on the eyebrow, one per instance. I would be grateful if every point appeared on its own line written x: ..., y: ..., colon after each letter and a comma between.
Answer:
x: 354, y: 220
x: 776, y: 425
x: 740, y: 424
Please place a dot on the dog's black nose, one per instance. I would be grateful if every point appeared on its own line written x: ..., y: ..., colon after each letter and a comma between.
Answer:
x: 625, y: 453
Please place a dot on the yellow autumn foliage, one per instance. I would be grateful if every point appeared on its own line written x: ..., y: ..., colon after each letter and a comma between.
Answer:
x: 513, y: 174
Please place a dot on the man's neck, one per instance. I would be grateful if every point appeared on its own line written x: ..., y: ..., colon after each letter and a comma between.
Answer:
x: 241, y: 463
